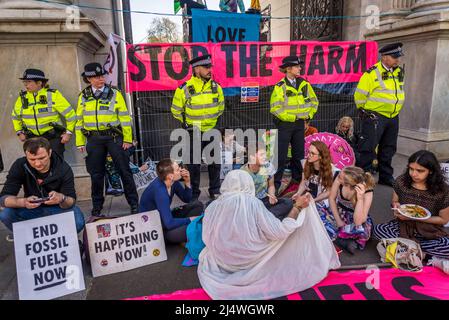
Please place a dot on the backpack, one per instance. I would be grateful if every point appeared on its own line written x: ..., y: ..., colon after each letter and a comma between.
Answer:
x: 402, y: 253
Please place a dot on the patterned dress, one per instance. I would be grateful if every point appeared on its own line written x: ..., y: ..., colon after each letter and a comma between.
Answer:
x: 360, y: 234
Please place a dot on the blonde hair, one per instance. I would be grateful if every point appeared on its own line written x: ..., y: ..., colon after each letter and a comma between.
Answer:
x: 355, y: 175
x: 343, y: 120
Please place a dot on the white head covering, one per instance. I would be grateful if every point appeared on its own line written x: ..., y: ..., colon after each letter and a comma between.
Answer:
x: 248, y: 254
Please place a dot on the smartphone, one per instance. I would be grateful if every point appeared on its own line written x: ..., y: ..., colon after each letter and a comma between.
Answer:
x: 40, y: 200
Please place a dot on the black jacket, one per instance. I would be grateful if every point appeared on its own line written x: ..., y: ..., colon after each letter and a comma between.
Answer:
x: 21, y: 174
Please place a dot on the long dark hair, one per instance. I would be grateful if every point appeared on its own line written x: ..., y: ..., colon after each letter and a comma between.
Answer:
x: 435, y: 182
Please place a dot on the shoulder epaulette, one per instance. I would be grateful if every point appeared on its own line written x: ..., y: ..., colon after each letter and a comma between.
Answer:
x: 183, y: 85
x: 371, y: 69
x: 280, y: 83
x: 51, y: 90
x: 23, y: 93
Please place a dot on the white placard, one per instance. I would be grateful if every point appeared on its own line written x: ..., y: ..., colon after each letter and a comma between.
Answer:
x: 125, y: 243
x: 48, y: 259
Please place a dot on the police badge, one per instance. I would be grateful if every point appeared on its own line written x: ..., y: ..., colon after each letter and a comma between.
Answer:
x: 42, y: 99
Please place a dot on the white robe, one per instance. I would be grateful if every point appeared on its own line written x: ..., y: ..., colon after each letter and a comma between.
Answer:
x: 250, y: 254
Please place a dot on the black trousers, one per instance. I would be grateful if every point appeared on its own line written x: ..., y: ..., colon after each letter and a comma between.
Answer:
x: 178, y: 235
x: 195, y: 171
x: 386, y: 136
x: 97, y: 149
x: 289, y: 133
x: 281, y: 209
x: 57, y: 146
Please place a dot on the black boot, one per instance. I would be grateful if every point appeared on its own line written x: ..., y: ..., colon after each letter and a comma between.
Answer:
x: 134, y: 209
x: 96, y: 212
x: 349, y: 245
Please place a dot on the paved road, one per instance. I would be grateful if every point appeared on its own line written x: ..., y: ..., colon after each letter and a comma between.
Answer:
x: 169, y: 276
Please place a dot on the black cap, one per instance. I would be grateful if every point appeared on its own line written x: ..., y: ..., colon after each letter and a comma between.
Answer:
x: 93, y: 69
x: 204, y: 61
x: 291, y: 61
x: 34, y: 74
x: 393, y: 49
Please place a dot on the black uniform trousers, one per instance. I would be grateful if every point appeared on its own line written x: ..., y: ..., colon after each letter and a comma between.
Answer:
x: 195, y: 170
x: 382, y: 132
x: 289, y: 133
x: 97, y: 148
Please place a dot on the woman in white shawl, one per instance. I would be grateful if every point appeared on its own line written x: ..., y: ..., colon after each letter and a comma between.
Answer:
x: 250, y: 254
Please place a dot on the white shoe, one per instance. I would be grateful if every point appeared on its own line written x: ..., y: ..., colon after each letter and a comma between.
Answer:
x: 441, y: 264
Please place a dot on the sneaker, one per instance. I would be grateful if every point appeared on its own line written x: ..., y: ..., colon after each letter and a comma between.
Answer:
x: 442, y: 264
x: 96, y: 212
x: 134, y: 209
x: 10, y: 238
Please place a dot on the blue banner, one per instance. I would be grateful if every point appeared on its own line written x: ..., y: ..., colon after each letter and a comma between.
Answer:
x: 217, y: 26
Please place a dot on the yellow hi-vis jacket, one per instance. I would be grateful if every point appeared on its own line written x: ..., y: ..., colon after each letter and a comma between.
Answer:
x: 36, y: 112
x: 198, y: 103
x: 95, y: 114
x: 289, y: 104
x: 381, y: 91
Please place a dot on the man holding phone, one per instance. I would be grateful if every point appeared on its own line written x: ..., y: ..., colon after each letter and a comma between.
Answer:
x: 48, y: 184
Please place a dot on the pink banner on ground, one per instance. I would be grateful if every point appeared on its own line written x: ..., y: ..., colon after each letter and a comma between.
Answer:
x: 377, y: 284
x: 341, y: 152
x: 163, y: 66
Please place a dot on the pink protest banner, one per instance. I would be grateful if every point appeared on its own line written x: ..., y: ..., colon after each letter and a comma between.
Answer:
x: 341, y: 152
x: 163, y: 66
x: 373, y: 284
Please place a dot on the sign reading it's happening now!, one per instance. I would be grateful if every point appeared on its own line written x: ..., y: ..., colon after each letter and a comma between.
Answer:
x: 47, y: 257
x: 125, y: 243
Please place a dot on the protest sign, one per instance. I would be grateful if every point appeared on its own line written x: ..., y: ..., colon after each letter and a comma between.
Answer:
x: 238, y: 62
x: 341, y: 152
x: 217, y: 26
x: 125, y: 243
x: 47, y: 257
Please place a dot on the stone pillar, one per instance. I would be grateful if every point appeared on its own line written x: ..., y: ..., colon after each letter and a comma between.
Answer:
x: 395, y: 10
x: 424, y: 120
x: 35, y: 34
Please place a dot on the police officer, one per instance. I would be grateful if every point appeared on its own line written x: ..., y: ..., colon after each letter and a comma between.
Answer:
x: 379, y: 97
x: 292, y: 101
x: 199, y: 102
x: 103, y: 122
x: 39, y: 111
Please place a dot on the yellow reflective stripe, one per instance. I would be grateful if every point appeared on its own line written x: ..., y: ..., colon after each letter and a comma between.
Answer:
x: 41, y: 126
x: 360, y: 101
x: 66, y: 111
x: 379, y: 78
x: 362, y: 91
x: 384, y: 100
x: 123, y: 113
x: 73, y: 118
x: 277, y: 103
x: 176, y: 107
x: 39, y: 115
x: 126, y: 124
x: 79, y: 127
x: 203, y: 106
x: 203, y: 117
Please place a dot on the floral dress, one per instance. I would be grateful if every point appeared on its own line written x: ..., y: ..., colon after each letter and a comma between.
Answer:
x: 360, y: 234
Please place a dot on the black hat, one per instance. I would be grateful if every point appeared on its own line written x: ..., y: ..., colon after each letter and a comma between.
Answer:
x: 393, y: 49
x: 204, y: 60
x: 93, y: 69
x: 290, y: 61
x: 34, y: 74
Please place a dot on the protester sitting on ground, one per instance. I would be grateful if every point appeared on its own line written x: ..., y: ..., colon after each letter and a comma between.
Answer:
x: 350, y: 200
x: 231, y: 150
x: 308, y: 129
x: 48, y: 184
x: 259, y: 169
x: 159, y: 196
x: 317, y: 178
x: 250, y: 254
x: 345, y: 129
x: 421, y: 184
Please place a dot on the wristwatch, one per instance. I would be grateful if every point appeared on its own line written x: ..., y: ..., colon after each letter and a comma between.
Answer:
x: 64, y: 198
